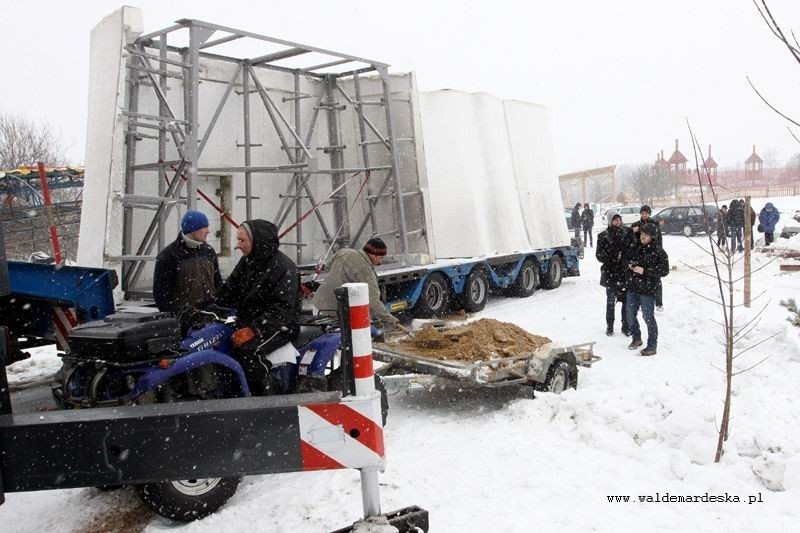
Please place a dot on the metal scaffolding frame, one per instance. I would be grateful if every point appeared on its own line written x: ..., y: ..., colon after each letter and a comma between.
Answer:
x: 147, y: 61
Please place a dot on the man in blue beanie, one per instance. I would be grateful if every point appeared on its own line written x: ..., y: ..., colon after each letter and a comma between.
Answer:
x: 187, y: 270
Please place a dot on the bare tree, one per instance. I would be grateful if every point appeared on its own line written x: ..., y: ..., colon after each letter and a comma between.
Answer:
x: 24, y: 141
x: 792, y: 46
x: 646, y: 181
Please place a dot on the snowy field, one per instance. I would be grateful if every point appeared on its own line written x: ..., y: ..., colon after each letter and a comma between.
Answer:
x: 503, y: 461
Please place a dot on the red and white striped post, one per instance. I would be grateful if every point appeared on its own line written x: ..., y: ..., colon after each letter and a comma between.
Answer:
x: 48, y: 211
x: 361, y: 334
x: 361, y: 338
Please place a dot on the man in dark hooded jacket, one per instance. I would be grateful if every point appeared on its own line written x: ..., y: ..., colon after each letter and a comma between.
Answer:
x: 264, y: 289
x: 611, y: 252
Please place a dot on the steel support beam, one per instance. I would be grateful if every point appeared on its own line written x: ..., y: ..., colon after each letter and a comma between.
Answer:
x: 401, y: 213
x: 362, y: 131
x: 341, y: 213
x: 248, y: 174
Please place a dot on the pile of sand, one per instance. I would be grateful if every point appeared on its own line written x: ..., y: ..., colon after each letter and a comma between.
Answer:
x: 481, y: 340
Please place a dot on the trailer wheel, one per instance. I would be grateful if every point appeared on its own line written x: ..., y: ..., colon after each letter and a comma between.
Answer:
x: 526, y: 282
x: 188, y: 499
x: 555, y: 273
x: 434, y: 298
x: 558, y: 378
x: 335, y: 383
x: 476, y: 291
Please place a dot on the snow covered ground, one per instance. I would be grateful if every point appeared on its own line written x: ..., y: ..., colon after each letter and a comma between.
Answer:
x: 501, y: 460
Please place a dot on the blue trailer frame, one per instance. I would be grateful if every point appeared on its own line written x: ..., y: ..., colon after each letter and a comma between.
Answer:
x: 402, y: 288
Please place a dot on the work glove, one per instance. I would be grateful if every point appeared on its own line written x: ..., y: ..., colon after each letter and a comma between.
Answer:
x: 243, y: 335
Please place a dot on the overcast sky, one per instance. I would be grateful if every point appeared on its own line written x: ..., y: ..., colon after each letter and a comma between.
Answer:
x: 620, y: 77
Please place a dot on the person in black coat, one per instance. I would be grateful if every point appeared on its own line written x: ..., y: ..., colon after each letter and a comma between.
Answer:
x: 633, y: 240
x: 647, y: 264
x: 611, y: 252
x: 575, y: 220
x: 722, y: 227
x: 186, y: 270
x: 736, y: 223
x: 587, y: 221
x: 264, y: 288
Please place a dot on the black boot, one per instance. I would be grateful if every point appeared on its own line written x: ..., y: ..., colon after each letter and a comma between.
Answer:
x: 609, y: 329
x: 625, y: 330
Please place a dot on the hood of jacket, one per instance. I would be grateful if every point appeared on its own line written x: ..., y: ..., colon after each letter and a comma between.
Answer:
x: 769, y: 206
x: 265, y: 238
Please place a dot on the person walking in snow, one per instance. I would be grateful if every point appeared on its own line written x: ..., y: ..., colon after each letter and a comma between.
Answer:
x: 736, y: 224
x: 187, y: 270
x: 587, y: 220
x: 722, y: 227
x: 575, y: 221
x: 647, y: 264
x: 767, y: 218
x: 611, y: 253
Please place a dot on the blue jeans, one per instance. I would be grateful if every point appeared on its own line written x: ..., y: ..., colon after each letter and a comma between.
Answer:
x: 611, y: 304
x: 647, y: 303
x: 736, y: 235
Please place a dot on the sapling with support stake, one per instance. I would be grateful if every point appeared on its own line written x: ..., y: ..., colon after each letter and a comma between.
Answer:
x: 726, y: 279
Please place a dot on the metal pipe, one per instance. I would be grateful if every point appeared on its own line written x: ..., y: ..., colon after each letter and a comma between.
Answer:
x: 222, y: 40
x: 364, y: 152
x: 218, y: 111
x: 341, y: 213
x: 226, y: 29
x: 298, y: 155
x: 248, y: 174
x: 193, y: 117
x: 166, y: 60
x: 162, y: 146
x: 395, y: 166
x: 366, y: 120
x: 267, y: 102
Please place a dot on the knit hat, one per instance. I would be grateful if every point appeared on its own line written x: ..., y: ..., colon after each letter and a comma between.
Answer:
x: 646, y: 209
x: 193, y: 221
x: 376, y: 246
x: 650, y: 229
x: 616, y: 216
x: 724, y: 206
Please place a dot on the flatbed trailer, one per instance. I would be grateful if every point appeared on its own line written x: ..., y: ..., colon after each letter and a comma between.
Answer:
x: 447, y: 284
x: 550, y: 368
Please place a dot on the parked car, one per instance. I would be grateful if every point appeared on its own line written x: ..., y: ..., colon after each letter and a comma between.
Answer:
x: 629, y: 213
x: 608, y: 211
x: 688, y: 219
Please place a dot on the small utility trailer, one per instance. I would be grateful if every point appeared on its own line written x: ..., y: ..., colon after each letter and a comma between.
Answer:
x: 549, y: 369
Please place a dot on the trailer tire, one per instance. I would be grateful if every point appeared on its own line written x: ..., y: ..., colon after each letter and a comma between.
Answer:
x: 526, y: 282
x: 434, y: 297
x: 558, y: 378
x: 476, y: 291
x: 189, y: 499
x: 335, y: 383
x: 555, y: 273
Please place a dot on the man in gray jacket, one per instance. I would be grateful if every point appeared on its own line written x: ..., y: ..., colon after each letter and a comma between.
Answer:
x: 356, y: 266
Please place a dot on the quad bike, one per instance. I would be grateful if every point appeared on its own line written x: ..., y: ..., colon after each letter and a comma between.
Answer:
x: 132, y: 358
